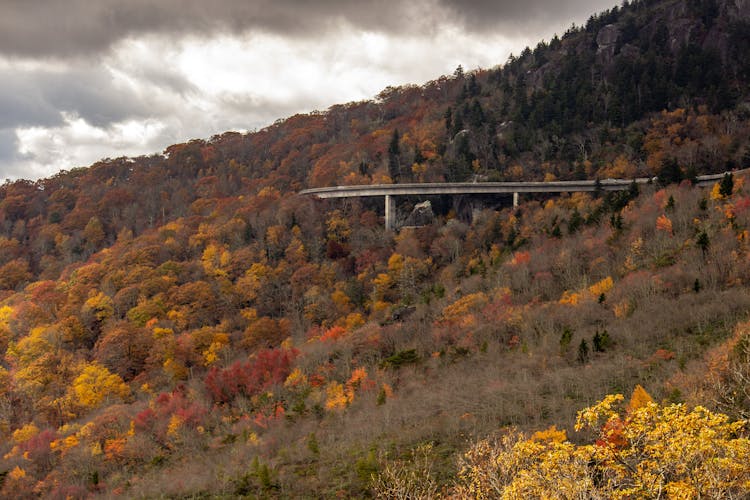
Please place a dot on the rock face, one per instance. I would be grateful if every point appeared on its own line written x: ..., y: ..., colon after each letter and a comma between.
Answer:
x: 421, y: 215
x: 606, y: 42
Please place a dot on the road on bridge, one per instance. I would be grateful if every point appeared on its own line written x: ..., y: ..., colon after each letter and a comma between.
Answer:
x: 389, y: 191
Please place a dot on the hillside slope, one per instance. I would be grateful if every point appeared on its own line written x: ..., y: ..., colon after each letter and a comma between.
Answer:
x: 184, y: 324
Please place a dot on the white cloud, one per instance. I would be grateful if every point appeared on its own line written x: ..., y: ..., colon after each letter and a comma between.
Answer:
x: 78, y: 143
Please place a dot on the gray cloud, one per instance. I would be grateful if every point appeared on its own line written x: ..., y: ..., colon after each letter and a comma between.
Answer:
x: 50, y: 28
x: 81, y: 27
x: 14, y: 164
x: 23, y: 104
x: 523, y: 17
x: 7, y: 145
x: 37, y: 97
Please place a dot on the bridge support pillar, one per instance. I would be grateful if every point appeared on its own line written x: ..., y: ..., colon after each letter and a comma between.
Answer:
x: 390, y: 212
x: 515, y: 199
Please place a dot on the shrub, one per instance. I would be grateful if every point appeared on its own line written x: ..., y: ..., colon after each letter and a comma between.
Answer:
x: 637, y: 452
x: 401, y: 358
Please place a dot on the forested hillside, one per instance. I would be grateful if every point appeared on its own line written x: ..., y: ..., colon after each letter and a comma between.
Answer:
x: 186, y: 324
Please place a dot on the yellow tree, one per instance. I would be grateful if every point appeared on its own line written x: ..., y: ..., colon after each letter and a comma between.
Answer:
x: 99, y: 306
x: 6, y: 334
x: 215, y: 260
x: 337, y: 227
x: 643, y: 451
x: 41, y: 372
x: 687, y: 453
x: 96, y: 385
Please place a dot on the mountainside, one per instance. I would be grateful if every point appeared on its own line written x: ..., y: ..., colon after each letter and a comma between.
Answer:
x: 185, y: 324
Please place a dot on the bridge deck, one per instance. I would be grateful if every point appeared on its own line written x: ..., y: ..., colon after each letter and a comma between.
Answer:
x: 485, y: 187
x: 456, y: 188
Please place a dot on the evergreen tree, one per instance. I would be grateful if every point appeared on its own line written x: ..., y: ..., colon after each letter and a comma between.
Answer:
x: 727, y: 185
x: 601, y: 341
x: 670, y: 172
x: 565, y: 339
x: 583, y: 352
x: 575, y: 221
x: 703, y: 242
x: 670, y: 204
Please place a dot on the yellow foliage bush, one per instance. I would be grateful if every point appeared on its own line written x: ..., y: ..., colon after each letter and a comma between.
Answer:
x: 353, y: 321
x: 570, y: 298
x: 639, y: 399
x: 395, y: 263
x: 648, y: 452
x: 162, y: 333
x: 211, y: 355
x: 716, y: 192
x: 335, y: 397
x: 215, y: 258
x: 337, y: 227
x: 382, y: 282
x: 96, y: 384
x: 469, y: 303
x: 603, y: 286
x: 357, y: 381
x: 380, y: 305
x: 550, y: 434
x: 175, y: 369
x: 64, y: 444
x: 295, y: 379
x: 25, y: 433
x: 100, y: 305
x: 175, y: 423
x: 5, y: 314
x: 17, y: 473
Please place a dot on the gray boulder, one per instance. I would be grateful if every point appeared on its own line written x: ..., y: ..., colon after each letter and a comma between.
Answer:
x: 421, y: 215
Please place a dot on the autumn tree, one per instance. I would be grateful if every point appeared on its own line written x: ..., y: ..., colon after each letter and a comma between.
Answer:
x: 124, y: 349
x: 682, y: 452
x: 14, y: 273
x: 96, y: 385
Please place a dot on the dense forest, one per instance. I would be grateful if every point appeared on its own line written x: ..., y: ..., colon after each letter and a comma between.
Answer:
x: 184, y: 324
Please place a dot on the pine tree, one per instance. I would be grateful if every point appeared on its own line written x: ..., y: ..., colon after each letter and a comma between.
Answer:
x: 726, y: 186
x: 703, y: 242
x: 583, y: 352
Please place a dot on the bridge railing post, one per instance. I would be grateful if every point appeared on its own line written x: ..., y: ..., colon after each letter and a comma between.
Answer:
x: 515, y: 199
x: 390, y: 212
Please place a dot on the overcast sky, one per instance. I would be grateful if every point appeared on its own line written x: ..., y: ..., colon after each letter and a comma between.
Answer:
x: 82, y: 80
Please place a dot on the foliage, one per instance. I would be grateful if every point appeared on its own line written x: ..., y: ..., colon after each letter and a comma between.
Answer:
x: 685, y: 453
x: 401, y: 358
x: 96, y: 385
x: 268, y: 368
x: 149, y: 306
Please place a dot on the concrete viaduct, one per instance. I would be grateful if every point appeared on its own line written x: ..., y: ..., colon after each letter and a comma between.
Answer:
x: 390, y: 191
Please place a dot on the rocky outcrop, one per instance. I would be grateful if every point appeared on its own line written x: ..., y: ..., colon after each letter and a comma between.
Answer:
x: 606, y: 42
x: 421, y: 215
